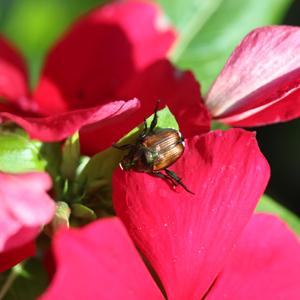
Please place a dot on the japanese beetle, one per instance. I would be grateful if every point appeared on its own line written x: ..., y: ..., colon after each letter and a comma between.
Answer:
x: 154, y: 151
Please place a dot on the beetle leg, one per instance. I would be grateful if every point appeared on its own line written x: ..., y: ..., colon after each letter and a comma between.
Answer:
x: 165, y: 177
x: 122, y: 147
x: 178, y: 180
x: 143, y: 134
x: 145, y: 126
x: 155, y: 118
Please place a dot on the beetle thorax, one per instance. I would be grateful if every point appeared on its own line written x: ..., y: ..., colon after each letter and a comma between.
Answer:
x: 139, y: 159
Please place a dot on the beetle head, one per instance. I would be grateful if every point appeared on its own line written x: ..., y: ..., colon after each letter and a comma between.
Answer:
x: 126, y: 164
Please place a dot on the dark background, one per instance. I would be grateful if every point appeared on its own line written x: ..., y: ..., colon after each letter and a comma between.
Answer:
x: 280, y: 144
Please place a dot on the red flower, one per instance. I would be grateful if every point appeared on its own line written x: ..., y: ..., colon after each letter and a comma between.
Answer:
x: 119, y: 52
x: 263, y: 265
x: 24, y: 208
x: 260, y: 82
x: 115, y: 52
x: 200, y: 245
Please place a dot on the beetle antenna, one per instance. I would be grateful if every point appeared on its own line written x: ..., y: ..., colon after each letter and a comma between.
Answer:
x: 122, y: 147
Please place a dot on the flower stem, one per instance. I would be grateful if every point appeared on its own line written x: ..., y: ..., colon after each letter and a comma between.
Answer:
x: 14, y: 273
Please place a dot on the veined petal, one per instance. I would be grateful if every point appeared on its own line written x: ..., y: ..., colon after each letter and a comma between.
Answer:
x: 264, y: 265
x: 24, y: 208
x: 60, y: 126
x: 185, y: 237
x: 260, y: 82
x: 100, y: 52
x: 102, y: 263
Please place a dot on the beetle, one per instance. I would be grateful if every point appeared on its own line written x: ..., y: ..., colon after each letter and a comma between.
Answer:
x: 154, y: 151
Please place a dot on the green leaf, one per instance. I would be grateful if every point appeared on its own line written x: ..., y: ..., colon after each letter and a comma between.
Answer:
x: 209, y: 30
x: 267, y: 204
x: 29, y: 282
x: 19, y: 154
x: 188, y: 17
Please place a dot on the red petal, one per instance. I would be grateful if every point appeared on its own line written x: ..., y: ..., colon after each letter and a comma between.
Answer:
x: 58, y: 127
x: 24, y: 207
x: 12, y: 257
x: 101, y: 263
x: 178, y: 90
x: 100, y: 52
x: 260, y: 82
x: 185, y: 237
x: 264, y: 265
x: 187, y: 106
x: 49, y: 263
x: 282, y: 110
x: 13, y: 79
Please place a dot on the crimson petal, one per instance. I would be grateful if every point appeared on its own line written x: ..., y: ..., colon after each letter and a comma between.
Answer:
x: 264, y: 265
x: 185, y: 237
x: 260, y: 82
x: 58, y: 127
x: 13, y: 256
x: 187, y: 106
x: 178, y: 90
x: 100, y: 52
x: 101, y: 263
x: 13, y: 79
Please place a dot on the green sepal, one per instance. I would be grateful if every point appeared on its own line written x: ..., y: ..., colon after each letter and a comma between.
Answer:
x: 70, y: 157
x: 83, y: 212
x: 97, y: 174
x: 52, y: 154
x: 165, y: 119
x: 60, y: 219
